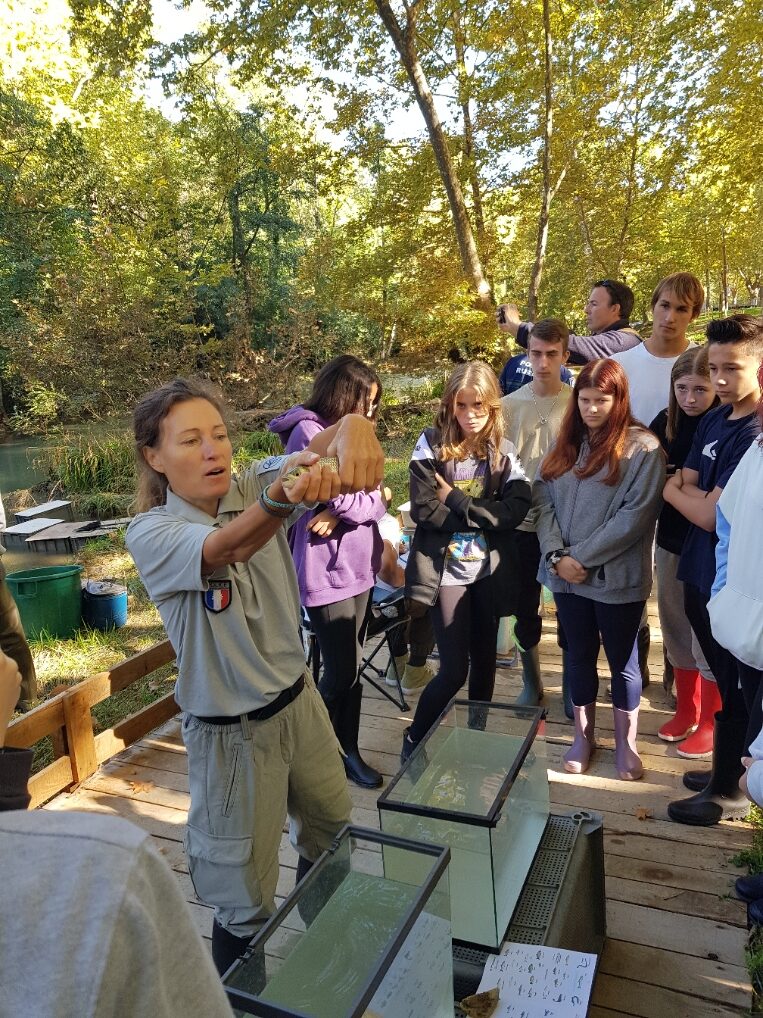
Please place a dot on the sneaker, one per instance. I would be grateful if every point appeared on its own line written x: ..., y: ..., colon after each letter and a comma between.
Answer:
x: 416, y: 677
x: 400, y: 664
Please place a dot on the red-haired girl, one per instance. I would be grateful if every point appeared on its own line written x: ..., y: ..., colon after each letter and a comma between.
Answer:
x: 598, y: 494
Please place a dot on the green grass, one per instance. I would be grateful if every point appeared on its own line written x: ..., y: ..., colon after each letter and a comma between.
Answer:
x: 61, y: 663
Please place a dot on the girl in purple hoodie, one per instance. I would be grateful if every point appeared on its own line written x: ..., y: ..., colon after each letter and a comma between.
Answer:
x: 337, y: 553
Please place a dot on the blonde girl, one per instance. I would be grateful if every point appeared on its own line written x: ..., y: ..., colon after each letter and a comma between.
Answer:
x: 468, y: 494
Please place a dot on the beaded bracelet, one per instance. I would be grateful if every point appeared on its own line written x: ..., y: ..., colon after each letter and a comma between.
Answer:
x: 274, y: 508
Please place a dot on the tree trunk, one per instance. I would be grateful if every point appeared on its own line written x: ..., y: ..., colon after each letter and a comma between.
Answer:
x: 404, y: 41
x: 240, y: 265
x: 469, y: 157
x: 724, y: 276
x: 545, y: 206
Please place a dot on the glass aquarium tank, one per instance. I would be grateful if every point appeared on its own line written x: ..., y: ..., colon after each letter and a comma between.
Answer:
x: 478, y: 783
x: 351, y: 941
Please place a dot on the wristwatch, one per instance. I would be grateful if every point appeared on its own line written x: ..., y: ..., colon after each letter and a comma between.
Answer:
x: 554, y: 558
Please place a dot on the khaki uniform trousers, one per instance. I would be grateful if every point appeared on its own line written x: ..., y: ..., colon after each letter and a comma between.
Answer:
x: 13, y: 642
x: 244, y: 778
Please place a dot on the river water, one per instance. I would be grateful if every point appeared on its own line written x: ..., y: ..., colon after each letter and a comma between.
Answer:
x: 21, y: 466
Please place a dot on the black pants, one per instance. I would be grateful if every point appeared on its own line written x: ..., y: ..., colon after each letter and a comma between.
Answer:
x: 417, y: 636
x: 466, y: 629
x: 722, y: 662
x: 340, y: 629
x: 529, y: 622
x: 582, y: 621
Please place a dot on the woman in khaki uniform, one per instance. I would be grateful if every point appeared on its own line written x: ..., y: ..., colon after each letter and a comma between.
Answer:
x: 212, y: 552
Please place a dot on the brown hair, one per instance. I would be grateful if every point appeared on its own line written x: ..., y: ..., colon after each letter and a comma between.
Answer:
x: 550, y: 330
x: 475, y: 375
x: 687, y: 289
x: 607, y: 443
x: 343, y: 386
x: 147, y: 418
x: 691, y: 362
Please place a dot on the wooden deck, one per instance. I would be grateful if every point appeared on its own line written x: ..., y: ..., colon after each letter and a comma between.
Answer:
x: 676, y: 934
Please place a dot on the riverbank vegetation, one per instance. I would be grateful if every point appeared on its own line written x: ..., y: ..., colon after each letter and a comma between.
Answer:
x: 270, y: 189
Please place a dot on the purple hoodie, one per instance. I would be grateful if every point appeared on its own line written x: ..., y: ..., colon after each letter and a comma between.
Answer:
x: 331, y: 569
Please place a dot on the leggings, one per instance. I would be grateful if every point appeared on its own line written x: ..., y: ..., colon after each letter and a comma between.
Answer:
x: 340, y: 629
x: 582, y: 620
x: 466, y: 629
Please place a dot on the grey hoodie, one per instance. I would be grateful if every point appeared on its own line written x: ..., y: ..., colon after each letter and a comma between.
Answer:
x: 608, y: 529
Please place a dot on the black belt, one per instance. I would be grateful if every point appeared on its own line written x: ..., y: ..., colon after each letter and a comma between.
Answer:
x: 262, y: 713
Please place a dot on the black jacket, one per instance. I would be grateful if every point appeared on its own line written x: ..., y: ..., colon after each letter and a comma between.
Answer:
x: 504, y: 504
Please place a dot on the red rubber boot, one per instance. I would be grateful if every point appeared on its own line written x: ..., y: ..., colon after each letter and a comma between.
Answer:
x: 700, y: 745
x: 686, y: 717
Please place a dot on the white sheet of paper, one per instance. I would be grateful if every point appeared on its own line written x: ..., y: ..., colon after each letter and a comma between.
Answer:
x: 540, y: 982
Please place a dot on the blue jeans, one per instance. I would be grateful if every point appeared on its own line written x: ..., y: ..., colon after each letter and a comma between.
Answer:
x: 587, y: 624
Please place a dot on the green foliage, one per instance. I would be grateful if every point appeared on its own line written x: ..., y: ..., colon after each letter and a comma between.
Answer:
x: 255, y: 445
x: 94, y: 466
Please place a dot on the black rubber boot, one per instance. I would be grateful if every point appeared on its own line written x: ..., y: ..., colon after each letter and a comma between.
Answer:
x: 721, y: 800
x: 303, y: 868
x: 532, y: 685
x: 643, y: 640
x: 226, y: 948
x: 346, y: 721
x: 696, y: 781
x: 566, y: 695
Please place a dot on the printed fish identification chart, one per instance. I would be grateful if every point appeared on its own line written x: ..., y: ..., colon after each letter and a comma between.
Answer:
x: 540, y: 982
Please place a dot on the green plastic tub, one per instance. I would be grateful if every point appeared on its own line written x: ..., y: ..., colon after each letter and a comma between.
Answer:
x: 48, y: 599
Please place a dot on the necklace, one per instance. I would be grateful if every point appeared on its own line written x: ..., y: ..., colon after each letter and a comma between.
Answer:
x: 541, y: 419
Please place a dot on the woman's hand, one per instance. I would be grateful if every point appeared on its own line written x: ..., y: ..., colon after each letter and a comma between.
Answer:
x: 323, y: 524
x: 361, y: 458
x: 443, y: 488
x: 316, y: 484
x: 570, y: 569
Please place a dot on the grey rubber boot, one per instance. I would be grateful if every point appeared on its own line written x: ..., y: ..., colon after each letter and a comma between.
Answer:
x: 532, y: 686
x: 578, y: 756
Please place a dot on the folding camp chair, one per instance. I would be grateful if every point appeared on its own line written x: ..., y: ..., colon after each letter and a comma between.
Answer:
x: 388, y: 614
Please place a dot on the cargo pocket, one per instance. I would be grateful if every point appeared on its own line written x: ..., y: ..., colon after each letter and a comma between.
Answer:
x: 222, y: 869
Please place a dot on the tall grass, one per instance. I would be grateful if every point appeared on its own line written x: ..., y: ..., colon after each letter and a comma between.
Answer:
x: 94, y: 465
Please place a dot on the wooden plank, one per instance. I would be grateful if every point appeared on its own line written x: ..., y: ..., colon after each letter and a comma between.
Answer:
x: 134, y: 727
x: 50, y: 781
x: 672, y: 873
x: 676, y: 899
x: 102, y: 685
x: 36, y: 724
x: 627, y: 996
x: 79, y: 734
x: 701, y: 938
x: 700, y: 977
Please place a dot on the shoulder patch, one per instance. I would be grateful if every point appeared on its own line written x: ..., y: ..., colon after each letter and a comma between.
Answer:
x: 219, y: 596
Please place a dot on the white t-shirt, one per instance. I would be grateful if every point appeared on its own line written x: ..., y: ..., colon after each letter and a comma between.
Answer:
x: 649, y: 380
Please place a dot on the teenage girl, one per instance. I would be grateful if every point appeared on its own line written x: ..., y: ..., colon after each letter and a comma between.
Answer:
x: 468, y: 494
x: 211, y: 549
x: 337, y: 552
x: 598, y: 494
x: 697, y: 697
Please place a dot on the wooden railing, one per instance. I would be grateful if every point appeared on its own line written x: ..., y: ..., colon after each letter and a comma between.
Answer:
x: 67, y: 718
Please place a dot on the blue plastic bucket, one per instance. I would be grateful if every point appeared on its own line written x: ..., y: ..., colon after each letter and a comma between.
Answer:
x: 105, y: 610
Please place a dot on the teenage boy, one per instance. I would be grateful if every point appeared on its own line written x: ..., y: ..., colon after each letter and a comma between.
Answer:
x: 533, y: 416
x: 735, y: 350
x: 676, y: 302
x: 607, y: 313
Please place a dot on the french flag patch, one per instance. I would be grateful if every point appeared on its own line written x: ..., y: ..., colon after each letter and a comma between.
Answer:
x: 219, y: 595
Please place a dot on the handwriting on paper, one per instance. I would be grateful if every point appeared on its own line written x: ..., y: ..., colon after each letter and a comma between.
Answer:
x: 540, y: 982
